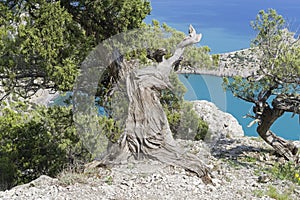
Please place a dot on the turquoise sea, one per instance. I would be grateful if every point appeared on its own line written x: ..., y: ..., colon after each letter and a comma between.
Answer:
x: 206, y: 87
x: 225, y: 26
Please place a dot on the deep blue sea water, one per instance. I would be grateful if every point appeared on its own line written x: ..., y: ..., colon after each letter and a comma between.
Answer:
x: 225, y: 25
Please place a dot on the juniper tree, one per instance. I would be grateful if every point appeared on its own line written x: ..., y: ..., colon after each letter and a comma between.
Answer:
x: 274, y: 88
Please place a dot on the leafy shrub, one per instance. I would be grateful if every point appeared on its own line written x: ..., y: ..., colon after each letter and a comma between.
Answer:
x: 36, y: 142
x: 202, y: 130
x: 183, y: 120
x: 216, y: 59
x: 273, y: 193
x: 288, y: 171
x: 111, y: 128
x: 191, y: 126
x: 185, y: 124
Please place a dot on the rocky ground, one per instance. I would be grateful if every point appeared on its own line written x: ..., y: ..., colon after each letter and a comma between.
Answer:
x: 236, y: 164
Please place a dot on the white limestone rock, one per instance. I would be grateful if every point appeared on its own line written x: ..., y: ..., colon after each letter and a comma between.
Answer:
x: 221, y: 124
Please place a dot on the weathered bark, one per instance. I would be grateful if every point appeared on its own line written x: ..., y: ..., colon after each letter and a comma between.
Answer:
x: 147, y: 133
x: 288, y: 103
x: 281, y: 146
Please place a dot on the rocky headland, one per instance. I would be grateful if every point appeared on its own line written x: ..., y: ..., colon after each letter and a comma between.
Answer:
x: 243, y: 63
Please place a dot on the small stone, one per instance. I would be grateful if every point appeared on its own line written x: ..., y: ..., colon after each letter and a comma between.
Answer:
x: 123, y: 187
x: 264, y: 178
x: 267, y: 157
x: 281, y: 160
x: 255, y: 184
x: 211, y: 188
x: 197, y: 182
x: 297, y: 190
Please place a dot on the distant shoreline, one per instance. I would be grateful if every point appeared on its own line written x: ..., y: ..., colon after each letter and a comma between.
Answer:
x: 209, y: 72
x: 242, y: 63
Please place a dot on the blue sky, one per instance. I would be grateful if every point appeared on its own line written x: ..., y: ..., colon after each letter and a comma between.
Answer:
x: 225, y: 25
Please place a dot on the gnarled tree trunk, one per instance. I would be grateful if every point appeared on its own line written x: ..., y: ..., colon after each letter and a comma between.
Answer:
x: 269, y: 115
x: 281, y: 146
x: 147, y: 133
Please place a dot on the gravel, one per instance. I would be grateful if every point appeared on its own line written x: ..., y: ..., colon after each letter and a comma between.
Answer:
x: 234, y: 177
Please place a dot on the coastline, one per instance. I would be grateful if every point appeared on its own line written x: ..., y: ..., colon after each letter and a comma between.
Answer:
x: 237, y: 63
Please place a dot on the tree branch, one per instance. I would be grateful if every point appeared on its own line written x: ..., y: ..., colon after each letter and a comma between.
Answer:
x: 288, y: 103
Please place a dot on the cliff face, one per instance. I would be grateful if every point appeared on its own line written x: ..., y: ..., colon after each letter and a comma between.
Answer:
x: 243, y: 63
x: 221, y: 124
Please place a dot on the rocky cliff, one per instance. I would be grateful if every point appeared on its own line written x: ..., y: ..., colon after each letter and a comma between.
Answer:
x: 243, y: 63
x: 221, y: 124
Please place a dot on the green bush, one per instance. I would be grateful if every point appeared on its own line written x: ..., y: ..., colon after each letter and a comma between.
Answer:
x: 36, y: 142
x: 183, y: 120
x: 275, y: 194
x: 288, y: 171
x: 191, y: 126
x: 8, y: 172
x: 111, y: 128
x: 216, y: 59
x: 202, y: 130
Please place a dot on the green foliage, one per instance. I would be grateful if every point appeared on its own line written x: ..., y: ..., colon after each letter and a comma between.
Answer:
x: 183, y: 120
x: 148, y: 39
x: 109, y: 180
x: 161, y: 36
x: 42, y: 47
x: 234, y: 163
x: 191, y: 126
x: 173, y: 99
x: 111, y: 128
x: 197, y: 57
x: 243, y: 88
x: 288, y: 171
x: 278, y: 54
x: 202, y: 130
x: 248, y: 159
x: 106, y: 18
x: 273, y: 193
x: 216, y: 59
x: 43, y: 42
x: 258, y: 193
x: 36, y: 142
x: 8, y: 172
x: 269, y: 26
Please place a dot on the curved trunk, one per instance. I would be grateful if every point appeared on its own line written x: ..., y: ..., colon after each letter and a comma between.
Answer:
x: 147, y: 133
x: 281, y: 146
